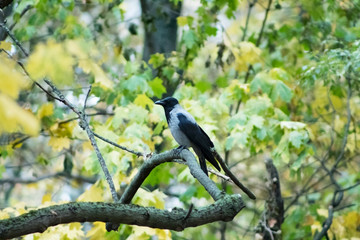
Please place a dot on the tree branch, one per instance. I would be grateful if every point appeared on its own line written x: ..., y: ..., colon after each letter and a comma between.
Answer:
x: 139, y: 154
x: 53, y: 175
x: 157, y: 159
x: 39, y: 220
x: 85, y: 125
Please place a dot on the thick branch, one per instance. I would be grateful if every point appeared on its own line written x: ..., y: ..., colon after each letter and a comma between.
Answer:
x: 157, y: 159
x: 39, y: 220
x: 273, y: 215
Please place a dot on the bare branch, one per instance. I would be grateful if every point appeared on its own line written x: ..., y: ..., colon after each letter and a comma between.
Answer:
x: 7, y: 30
x: 157, y: 159
x: 86, y: 98
x: 139, y: 154
x: 264, y: 23
x: 53, y: 175
x: 85, y: 125
x: 226, y: 178
x: 39, y: 220
x: 251, y: 5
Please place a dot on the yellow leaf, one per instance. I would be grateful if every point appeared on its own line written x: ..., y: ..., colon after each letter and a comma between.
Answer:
x: 89, y: 66
x: 59, y: 143
x: 141, y: 233
x: 316, y: 227
x: 323, y: 212
x: 13, y: 118
x: 21, y: 208
x: 46, y: 198
x: 63, y: 129
x: 11, y: 81
x: 4, y: 215
x: 75, y: 231
x: 182, y: 21
x: 352, y: 220
x: 51, y: 60
x: 143, y: 101
x: 163, y: 234
x: 94, y: 194
x: 97, y: 232
x: 101, y: 78
x: 46, y: 110
x: 87, y: 146
x: 5, y: 45
x: 154, y: 199
x: 337, y: 102
x: 247, y: 53
x: 77, y: 48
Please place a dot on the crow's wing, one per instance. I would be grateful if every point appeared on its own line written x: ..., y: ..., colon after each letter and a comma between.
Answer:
x: 198, y: 137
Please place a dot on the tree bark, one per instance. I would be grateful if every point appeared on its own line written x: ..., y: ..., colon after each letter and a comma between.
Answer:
x: 160, y: 24
x: 177, y: 219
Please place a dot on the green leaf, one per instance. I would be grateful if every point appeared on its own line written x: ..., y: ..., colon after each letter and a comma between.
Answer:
x: 281, y: 90
x: 261, y: 133
x: 258, y: 106
x: 203, y: 86
x: 292, y: 125
x: 298, y: 162
x: 236, y: 139
x: 222, y: 81
x: 261, y: 81
x: 168, y: 71
x: 297, y: 138
x: 136, y: 130
x: 136, y: 83
x: 211, y: 31
x: 256, y: 121
x: 239, y: 118
x: 190, y: 38
x: 131, y: 68
x: 157, y: 87
x: 2, y: 170
x: 157, y: 60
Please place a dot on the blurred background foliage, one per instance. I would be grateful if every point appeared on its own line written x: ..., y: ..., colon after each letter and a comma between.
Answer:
x: 264, y: 78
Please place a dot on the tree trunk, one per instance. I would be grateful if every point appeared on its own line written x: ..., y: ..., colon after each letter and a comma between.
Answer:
x: 159, y: 18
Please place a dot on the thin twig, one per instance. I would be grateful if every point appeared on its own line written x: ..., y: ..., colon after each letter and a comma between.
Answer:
x: 264, y: 23
x: 7, y: 30
x: 250, y: 68
x: 347, y: 126
x: 27, y: 8
x: 251, y: 5
x: 85, y: 125
x: 86, y: 98
x: 226, y: 178
x: 189, y: 212
x: 88, y: 114
x: 53, y: 175
x: 139, y: 154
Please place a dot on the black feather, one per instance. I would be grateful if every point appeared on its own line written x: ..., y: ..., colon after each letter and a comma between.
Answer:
x: 198, y: 138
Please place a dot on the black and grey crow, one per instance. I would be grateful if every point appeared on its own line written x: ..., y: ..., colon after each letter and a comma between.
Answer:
x: 188, y: 133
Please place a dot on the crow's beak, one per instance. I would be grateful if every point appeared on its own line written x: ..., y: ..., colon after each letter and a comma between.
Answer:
x: 159, y: 102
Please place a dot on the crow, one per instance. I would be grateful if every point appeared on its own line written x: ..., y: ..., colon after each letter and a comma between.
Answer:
x: 188, y: 133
